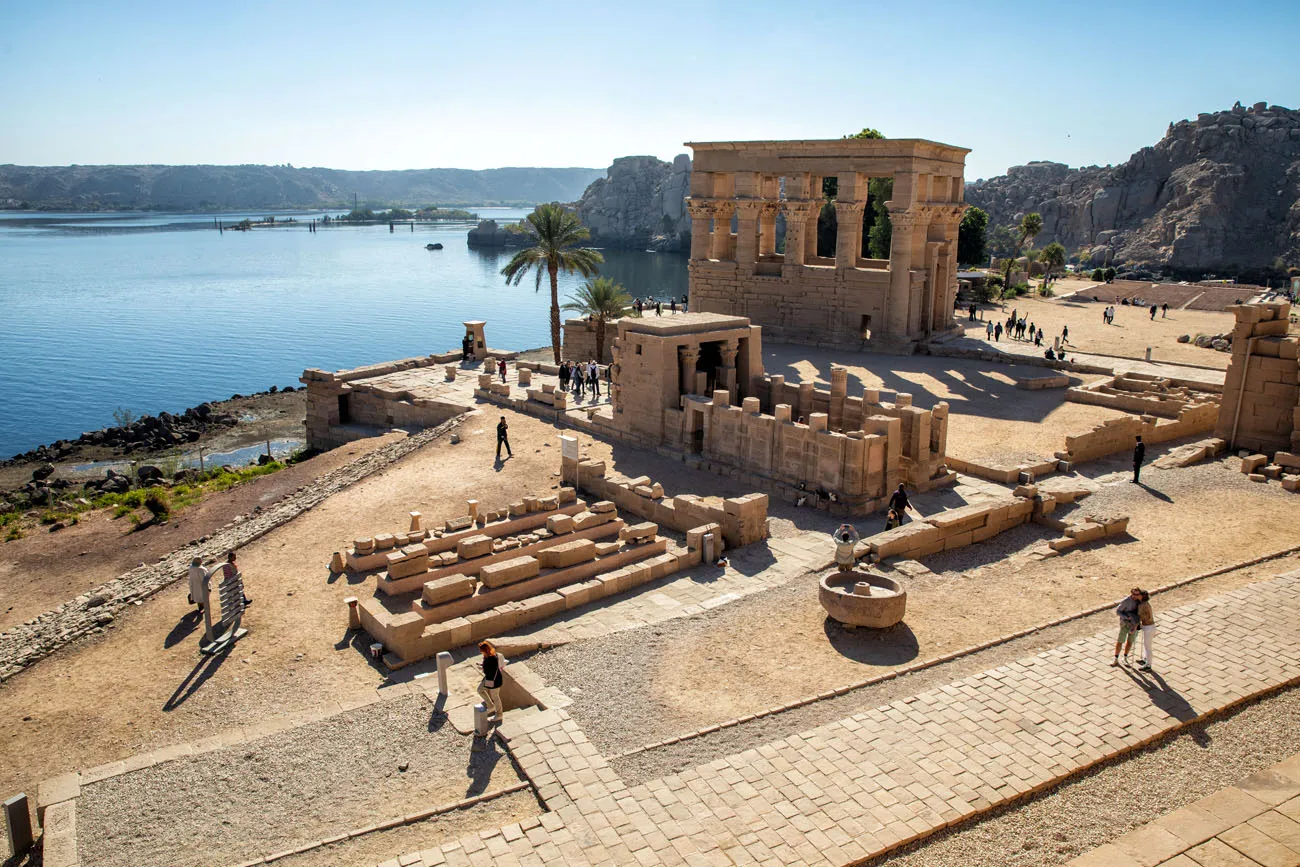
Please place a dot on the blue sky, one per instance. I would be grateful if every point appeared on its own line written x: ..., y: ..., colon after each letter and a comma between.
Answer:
x: 393, y: 84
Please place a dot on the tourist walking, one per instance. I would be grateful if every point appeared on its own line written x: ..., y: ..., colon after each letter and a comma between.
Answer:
x: 1153, y: 312
x: 503, y: 438
x: 988, y: 330
x: 1147, y: 620
x: 899, y: 503
x: 577, y: 381
x: 564, y: 376
x: 1164, y: 310
x: 200, y: 586
x: 490, y: 687
x: 997, y: 331
x: 501, y: 368
x: 593, y: 377
x: 230, y: 570
x: 672, y: 305
x: 1139, y: 452
x: 1128, y: 623
x: 1065, y: 334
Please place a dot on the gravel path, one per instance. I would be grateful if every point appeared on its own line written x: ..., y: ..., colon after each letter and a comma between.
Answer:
x: 1119, y: 796
x: 286, y: 790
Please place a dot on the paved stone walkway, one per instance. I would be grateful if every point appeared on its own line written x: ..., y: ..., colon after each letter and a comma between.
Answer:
x: 864, y: 785
x: 1255, y: 823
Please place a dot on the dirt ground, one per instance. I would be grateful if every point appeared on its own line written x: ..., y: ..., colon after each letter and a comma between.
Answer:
x: 143, y: 684
x: 990, y: 419
x: 779, y: 646
x: 43, y: 569
x: 1129, y: 337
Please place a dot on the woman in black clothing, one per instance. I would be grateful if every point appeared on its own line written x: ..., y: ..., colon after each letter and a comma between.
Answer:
x: 490, y: 688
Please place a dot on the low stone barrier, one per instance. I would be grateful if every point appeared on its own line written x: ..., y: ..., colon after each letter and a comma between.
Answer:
x: 1119, y: 434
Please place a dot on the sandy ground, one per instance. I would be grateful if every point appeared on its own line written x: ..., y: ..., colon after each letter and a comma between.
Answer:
x: 143, y: 684
x: 1129, y: 337
x: 990, y: 419
x: 675, y: 677
x: 43, y: 569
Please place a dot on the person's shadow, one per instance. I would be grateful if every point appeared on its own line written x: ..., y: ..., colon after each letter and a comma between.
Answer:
x: 206, y: 667
x: 184, y: 628
x: 1159, y: 495
x: 1169, y: 700
x: 481, y: 765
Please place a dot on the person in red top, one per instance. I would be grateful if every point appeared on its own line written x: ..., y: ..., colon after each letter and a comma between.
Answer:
x: 230, y: 569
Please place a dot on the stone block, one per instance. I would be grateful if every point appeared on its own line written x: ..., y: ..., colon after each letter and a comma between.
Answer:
x: 567, y: 554
x: 532, y: 504
x: 1086, y: 531
x: 587, y: 520
x: 695, y: 537
x: 509, y: 571
x: 548, y: 504
x: 539, y: 607
x: 1291, y: 483
x: 1257, y: 477
x: 517, y: 509
x: 447, y: 588
x: 604, y: 549
x: 638, y: 532
x: 384, y: 542
x: 455, y: 525
x: 602, y: 507
x: 474, y: 546
x: 363, y: 546
x: 1287, y: 460
x: 567, y: 496
x: 559, y: 524
x: 1116, y: 526
x: 407, y: 566
x: 1062, y: 545
x: 644, y: 491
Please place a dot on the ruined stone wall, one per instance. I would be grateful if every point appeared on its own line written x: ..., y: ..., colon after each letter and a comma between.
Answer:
x: 1260, y: 410
x: 580, y: 340
x: 821, y: 306
x: 1120, y: 434
x: 923, y: 434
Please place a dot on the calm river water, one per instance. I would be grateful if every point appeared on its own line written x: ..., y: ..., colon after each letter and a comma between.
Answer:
x: 155, y: 312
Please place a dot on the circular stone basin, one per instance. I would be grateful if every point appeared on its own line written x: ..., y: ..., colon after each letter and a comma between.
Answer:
x: 844, y: 596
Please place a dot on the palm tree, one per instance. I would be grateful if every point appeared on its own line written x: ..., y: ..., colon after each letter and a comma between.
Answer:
x: 555, y: 233
x: 1030, y: 225
x: 601, y: 300
x: 1053, y: 259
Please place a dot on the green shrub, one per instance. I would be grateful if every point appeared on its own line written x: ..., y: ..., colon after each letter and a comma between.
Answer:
x: 1098, y: 275
x: 1046, y: 291
x: 1108, y: 275
x: 158, y: 505
x: 15, y: 533
x: 119, y: 510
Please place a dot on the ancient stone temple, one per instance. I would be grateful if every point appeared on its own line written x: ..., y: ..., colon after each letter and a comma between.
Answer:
x: 737, y: 190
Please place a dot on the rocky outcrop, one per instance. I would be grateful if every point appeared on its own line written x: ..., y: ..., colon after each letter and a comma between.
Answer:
x: 640, y: 205
x: 488, y: 234
x: 1219, y: 194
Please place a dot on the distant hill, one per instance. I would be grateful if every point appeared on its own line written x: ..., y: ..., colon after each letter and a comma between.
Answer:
x: 188, y: 188
x: 1219, y: 194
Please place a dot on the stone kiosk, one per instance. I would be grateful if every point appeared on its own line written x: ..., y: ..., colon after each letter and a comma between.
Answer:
x: 802, y: 298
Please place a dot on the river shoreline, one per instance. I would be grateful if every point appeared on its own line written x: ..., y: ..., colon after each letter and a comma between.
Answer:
x: 277, y: 417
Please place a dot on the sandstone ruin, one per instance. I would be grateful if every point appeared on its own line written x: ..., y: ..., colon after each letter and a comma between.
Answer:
x: 798, y: 296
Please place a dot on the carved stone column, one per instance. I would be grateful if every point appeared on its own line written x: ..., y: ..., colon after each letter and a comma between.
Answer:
x: 898, y: 303
x: 810, y: 233
x: 747, y: 215
x: 796, y: 228
x: 848, y: 240
x: 730, y: 348
x: 767, y: 229
x: 701, y: 211
x: 687, y: 357
x: 721, y: 248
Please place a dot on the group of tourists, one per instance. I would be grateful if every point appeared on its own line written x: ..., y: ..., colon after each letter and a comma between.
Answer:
x: 582, y: 378
x: 642, y: 305
x: 1016, y: 327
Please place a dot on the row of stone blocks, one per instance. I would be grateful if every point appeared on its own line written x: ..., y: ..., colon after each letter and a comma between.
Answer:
x: 641, y: 557
x: 468, y: 554
x: 1120, y: 434
x: 406, y: 552
x: 955, y: 528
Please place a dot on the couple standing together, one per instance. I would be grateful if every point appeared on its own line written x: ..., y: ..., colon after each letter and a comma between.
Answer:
x: 1135, y: 614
